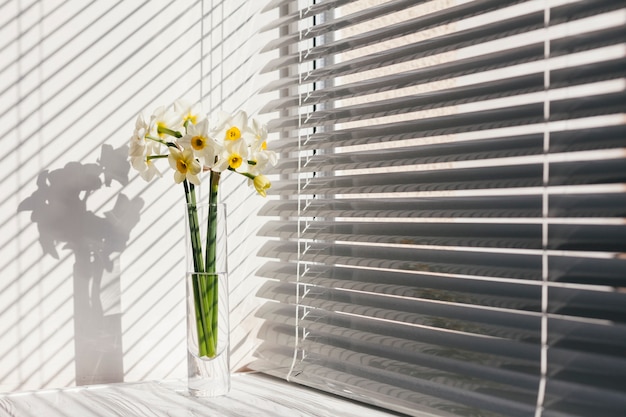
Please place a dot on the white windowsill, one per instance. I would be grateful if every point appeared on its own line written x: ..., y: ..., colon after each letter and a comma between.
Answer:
x: 251, y: 395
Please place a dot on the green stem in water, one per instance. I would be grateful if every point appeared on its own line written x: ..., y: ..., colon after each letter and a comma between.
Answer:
x: 204, y: 304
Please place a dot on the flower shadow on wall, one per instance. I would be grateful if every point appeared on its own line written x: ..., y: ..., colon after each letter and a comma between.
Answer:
x: 59, y: 208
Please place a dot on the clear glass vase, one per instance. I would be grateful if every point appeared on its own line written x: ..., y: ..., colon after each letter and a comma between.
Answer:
x: 208, y: 331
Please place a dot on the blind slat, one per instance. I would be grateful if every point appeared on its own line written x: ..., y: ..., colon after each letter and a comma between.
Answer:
x: 522, y: 236
x: 479, y: 208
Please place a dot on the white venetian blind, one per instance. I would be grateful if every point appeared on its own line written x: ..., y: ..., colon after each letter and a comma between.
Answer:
x: 449, y: 235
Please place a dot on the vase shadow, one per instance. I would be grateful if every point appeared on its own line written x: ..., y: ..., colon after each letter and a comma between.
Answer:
x: 59, y: 208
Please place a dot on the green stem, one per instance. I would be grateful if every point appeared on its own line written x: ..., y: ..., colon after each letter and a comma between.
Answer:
x: 211, y: 253
x: 157, y: 140
x: 211, y: 238
x: 155, y: 157
x: 194, y: 226
x: 245, y: 174
x: 200, y: 293
x: 164, y: 130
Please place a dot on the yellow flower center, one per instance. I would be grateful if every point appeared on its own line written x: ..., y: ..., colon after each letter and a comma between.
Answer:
x: 233, y: 133
x: 160, y: 126
x: 234, y: 161
x: 192, y: 118
x: 181, y: 166
x: 264, y: 145
x: 198, y: 142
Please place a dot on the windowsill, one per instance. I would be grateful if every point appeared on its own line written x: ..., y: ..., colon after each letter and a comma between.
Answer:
x: 251, y: 395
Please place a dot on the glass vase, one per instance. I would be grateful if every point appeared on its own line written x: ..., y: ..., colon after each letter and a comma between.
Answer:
x: 208, y: 332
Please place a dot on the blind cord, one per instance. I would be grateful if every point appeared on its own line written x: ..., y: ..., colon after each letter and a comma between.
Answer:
x: 541, y: 391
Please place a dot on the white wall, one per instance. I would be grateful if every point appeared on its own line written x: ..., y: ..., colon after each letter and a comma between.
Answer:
x: 91, y: 256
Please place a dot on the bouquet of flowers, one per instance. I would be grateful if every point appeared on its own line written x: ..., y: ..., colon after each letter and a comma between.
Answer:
x: 194, y: 147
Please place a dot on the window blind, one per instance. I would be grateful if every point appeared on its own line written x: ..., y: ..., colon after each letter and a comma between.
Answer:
x: 448, y: 231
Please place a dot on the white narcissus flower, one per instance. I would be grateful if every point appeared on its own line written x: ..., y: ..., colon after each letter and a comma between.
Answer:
x: 142, y: 126
x: 163, y: 120
x: 141, y: 147
x: 184, y: 165
x: 203, y: 146
x: 234, y: 156
x: 232, y: 128
x: 260, y: 157
x: 190, y: 114
x: 145, y: 166
x: 138, y: 144
x: 137, y: 147
x: 259, y: 130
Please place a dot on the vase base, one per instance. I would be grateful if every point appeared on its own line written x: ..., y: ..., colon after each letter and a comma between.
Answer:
x: 208, y: 377
x: 208, y: 388
x: 207, y: 394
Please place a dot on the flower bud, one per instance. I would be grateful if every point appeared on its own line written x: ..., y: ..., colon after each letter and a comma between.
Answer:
x: 261, y: 183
